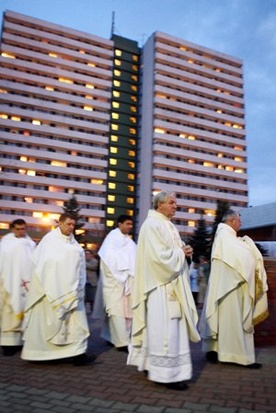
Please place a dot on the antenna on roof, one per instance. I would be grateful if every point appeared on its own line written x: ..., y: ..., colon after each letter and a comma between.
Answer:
x: 113, y: 23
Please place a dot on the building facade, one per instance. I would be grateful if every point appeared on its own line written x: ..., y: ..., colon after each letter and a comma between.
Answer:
x: 111, y: 123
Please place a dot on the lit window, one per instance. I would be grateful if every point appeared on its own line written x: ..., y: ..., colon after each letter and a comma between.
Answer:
x: 112, y: 174
x: 54, y: 189
x: 190, y: 61
x: 132, y: 119
x: 116, y: 105
x: 117, y: 62
x: 36, y: 122
x: 16, y: 118
x: 96, y: 181
x: 229, y: 168
x: 116, y: 83
x: 23, y: 158
x: 118, y: 52
x: 112, y: 161
x: 134, y: 78
x: 49, y: 88
x: 37, y: 214
x: 130, y: 188
x: 220, y: 167
x: 130, y: 212
x: 4, y: 225
x: 132, y: 142
x: 239, y: 171
x: 191, y: 210
x: 22, y: 171
x: 28, y: 199
x: 131, y: 153
x: 132, y: 131
x: 117, y: 72
x: 135, y: 58
x: 88, y: 97
x: 191, y: 161
x: 159, y: 130
x: 52, y: 54
x: 71, y: 191
x: 111, y: 185
x: 131, y: 177
x: 114, y: 138
x: 91, y: 64
x: 113, y: 149
x: 64, y: 80
x: 220, y: 155
x: 111, y: 198
x: 133, y: 109
x: 191, y: 223
x: 59, y: 163
x: 109, y: 223
x: 82, y: 51
x: 130, y: 200
x: 89, y: 86
x: 209, y: 212
x: 59, y: 203
x: 115, y: 115
x: 134, y: 67
x: 191, y: 137
x: 131, y: 165
x: 238, y: 159
x: 133, y: 98
x: 3, y: 116
x: 111, y: 210
x: 182, y: 135
x: 116, y: 93
x: 134, y: 88
x: 89, y: 108
x: 208, y: 164
x: 10, y: 56
x: 114, y: 127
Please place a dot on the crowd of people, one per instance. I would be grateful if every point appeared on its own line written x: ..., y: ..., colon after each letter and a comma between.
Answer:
x: 147, y: 295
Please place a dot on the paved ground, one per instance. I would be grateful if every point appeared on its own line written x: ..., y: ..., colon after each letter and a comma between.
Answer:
x: 110, y: 386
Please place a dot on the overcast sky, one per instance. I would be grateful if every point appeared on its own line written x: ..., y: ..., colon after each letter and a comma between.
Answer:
x: 242, y: 28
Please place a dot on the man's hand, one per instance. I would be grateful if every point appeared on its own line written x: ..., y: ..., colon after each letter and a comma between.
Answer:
x: 188, y: 250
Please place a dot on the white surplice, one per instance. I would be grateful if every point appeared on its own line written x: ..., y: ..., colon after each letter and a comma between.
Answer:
x: 113, y: 297
x: 236, y: 298
x: 55, y: 318
x: 16, y: 268
x: 164, y: 312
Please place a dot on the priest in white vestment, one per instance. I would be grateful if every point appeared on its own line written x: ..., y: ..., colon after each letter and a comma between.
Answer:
x: 113, y: 298
x: 16, y: 268
x: 164, y: 312
x: 55, y: 318
x: 236, y: 298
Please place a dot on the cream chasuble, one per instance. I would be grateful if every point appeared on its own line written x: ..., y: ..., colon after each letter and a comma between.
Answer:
x: 16, y: 269
x: 55, y: 318
x: 164, y: 312
x: 113, y: 297
x: 236, y: 297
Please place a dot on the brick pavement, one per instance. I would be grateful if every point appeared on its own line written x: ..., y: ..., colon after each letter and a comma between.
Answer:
x: 109, y: 385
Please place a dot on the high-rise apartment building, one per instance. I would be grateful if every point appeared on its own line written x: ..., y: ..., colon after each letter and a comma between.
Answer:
x: 110, y: 124
x: 192, y: 137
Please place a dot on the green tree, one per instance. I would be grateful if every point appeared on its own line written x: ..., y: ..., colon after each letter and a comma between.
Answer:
x: 222, y: 207
x: 200, y: 240
x: 72, y: 207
